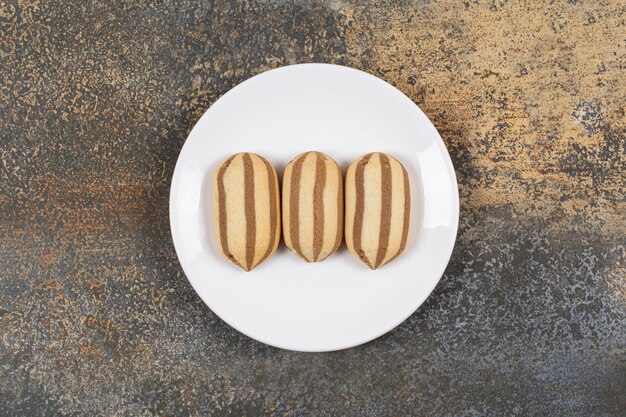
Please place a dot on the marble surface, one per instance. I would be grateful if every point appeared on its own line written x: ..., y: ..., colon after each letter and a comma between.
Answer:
x: 96, y: 316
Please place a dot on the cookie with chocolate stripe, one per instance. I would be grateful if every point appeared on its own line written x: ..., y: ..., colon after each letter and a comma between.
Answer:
x: 247, y: 209
x: 378, y: 209
x: 312, y: 206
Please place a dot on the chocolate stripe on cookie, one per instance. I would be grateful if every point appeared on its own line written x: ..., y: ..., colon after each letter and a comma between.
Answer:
x: 385, y: 209
x: 294, y: 209
x: 406, y: 217
x: 223, y: 219
x: 250, y: 210
x: 272, y: 184
x: 318, y: 205
x: 340, y: 207
x: 407, y: 210
x: 357, y: 229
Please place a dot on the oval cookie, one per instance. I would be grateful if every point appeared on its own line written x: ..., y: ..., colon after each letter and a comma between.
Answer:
x: 312, y: 206
x: 247, y: 209
x: 378, y: 209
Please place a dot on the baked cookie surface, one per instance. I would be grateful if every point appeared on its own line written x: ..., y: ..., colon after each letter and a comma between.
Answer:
x: 312, y: 206
x: 246, y: 203
x: 378, y: 209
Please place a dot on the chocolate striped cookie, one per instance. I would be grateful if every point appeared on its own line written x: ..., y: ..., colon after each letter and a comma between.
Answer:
x: 247, y: 209
x: 378, y: 209
x: 312, y: 206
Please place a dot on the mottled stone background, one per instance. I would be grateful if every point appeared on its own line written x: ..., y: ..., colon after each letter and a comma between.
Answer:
x: 97, y: 318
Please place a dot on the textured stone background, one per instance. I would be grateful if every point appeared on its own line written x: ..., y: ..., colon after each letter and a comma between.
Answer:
x: 96, y: 100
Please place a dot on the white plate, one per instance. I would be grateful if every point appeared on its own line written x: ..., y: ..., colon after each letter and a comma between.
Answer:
x: 338, y: 303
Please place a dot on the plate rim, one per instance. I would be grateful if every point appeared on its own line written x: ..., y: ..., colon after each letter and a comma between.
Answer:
x: 455, y: 203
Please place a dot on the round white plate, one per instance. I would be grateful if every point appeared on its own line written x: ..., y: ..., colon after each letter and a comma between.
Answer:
x: 338, y: 303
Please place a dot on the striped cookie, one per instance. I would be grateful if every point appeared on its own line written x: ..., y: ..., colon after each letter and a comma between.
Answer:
x: 247, y: 209
x: 312, y: 206
x: 378, y: 209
